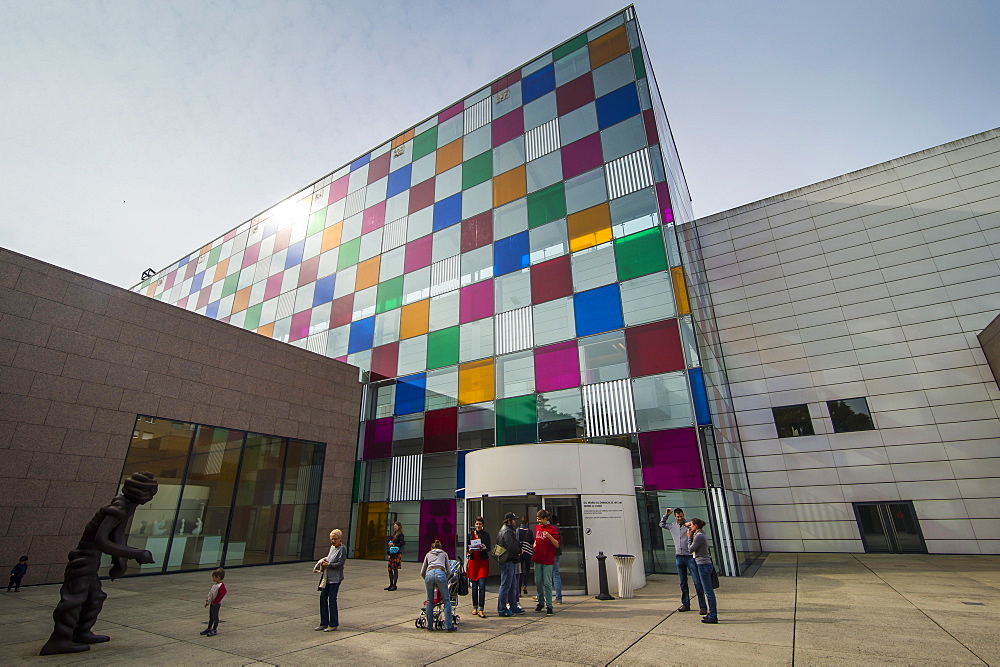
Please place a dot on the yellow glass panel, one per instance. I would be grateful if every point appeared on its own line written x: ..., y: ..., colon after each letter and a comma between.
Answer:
x: 367, y: 275
x: 414, y: 318
x: 403, y: 138
x: 266, y: 330
x: 220, y: 271
x: 680, y: 291
x: 242, y: 300
x: 608, y: 46
x: 331, y: 237
x: 449, y: 156
x: 369, y: 539
x: 589, y: 227
x: 509, y: 186
x: 475, y: 382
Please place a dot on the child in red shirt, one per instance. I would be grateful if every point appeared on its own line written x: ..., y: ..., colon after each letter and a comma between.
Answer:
x: 213, y: 601
x: 544, y: 558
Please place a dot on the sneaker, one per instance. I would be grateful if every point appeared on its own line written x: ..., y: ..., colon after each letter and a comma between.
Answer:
x: 318, y: 628
x: 504, y: 614
x: 709, y: 620
x: 548, y: 611
x: 205, y: 631
x: 517, y: 612
x: 539, y: 607
x: 332, y: 628
x: 211, y: 633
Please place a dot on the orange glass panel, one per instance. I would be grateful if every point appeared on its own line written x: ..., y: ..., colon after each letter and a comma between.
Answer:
x: 242, y: 300
x: 608, y: 46
x: 414, y: 318
x: 367, y: 273
x: 220, y: 270
x: 266, y: 330
x: 403, y: 138
x: 680, y: 291
x: 449, y: 156
x: 331, y: 237
x: 475, y: 382
x: 151, y: 289
x: 509, y: 186
x: 589, y: 227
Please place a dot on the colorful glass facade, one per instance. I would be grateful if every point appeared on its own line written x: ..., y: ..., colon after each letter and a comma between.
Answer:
x: 505, y: 272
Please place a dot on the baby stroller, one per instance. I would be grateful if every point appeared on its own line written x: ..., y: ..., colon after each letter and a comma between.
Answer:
x: 457, y: 585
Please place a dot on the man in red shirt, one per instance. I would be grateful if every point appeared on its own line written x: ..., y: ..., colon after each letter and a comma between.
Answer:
x: 544, y: 558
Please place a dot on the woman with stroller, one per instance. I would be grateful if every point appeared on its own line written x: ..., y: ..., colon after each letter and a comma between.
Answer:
x: 435, y: 573
x: 479, y: 566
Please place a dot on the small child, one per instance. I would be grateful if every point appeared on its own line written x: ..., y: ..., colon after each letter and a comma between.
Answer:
x: 213, y: 601
x: 17, y: 573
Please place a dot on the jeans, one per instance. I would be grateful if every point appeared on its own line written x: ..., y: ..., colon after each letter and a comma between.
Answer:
x: 685, y: 564
x: 508, y: 587
x: 439, y: 580
x: 478, y: 593
x: 557, y: 581
x: 703, y: 574
x: 543, y: 583
x: 213, y: 617
x: 328, y: 606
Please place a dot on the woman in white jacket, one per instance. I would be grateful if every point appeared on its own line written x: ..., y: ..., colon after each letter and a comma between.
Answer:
x: 435, y: 573
x: 332, y: 568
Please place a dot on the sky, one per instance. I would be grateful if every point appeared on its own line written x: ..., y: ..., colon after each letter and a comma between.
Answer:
x: 132, y: 133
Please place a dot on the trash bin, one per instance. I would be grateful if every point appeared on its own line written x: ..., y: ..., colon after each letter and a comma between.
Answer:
x: 624, y: 563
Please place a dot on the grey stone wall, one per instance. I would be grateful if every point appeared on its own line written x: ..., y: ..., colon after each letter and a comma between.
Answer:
x: 79, y: 359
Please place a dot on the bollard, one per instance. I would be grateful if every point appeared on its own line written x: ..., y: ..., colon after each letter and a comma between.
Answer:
x: 602, y: 575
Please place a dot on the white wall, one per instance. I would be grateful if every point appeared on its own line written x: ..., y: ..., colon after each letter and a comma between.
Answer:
x: 871, y: 284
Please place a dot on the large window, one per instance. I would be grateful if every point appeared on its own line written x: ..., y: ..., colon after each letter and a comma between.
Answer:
x: 792, y: 421
x: 225, y: 497
x: 850, y: 414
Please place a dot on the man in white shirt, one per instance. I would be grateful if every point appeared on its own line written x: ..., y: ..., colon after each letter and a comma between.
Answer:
x: 685, y: 561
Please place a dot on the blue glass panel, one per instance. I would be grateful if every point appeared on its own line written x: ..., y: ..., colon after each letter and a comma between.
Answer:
x: 183, y: 262
x: 448, y: 211
x: 324, y: 290
x: 399, y: 180
x: 510, y: 254
x: 362, y: 333
x: 360, y: 162
x: 294, y: 256
x: 410, y: 394
x: 213, y: 310
x: 460, y: 474
x: 538, y: 83
x: 699, y: 396
x: 598, y: 310
x: 617, y: 105
x: 197, y: 281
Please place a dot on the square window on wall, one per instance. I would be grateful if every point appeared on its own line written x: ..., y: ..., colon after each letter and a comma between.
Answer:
x: 850, y: 414
x: 475, y: 426
x: 793, y: 421
x: 662, y: 401
x: 515, y: 374
x: 560, y: 415
x: 603, y: 357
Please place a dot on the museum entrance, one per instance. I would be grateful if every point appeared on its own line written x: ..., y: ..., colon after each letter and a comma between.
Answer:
x: 889, y: 527
x: 566, y: 512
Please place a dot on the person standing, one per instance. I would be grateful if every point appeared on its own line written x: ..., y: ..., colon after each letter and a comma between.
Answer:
x: 479, y: 566
x: 526, y: 538
x: 544, y: 557
x: 332, y: 568
x: 395, y: 551
x: 682, y: 556
x: 698, y: 545
x: 435, y: 574
x: 507, y: 538
x: 17, y: 574
x: 214, y: 602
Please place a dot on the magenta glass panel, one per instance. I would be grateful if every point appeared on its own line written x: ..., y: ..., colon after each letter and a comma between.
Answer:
x: 582, y: 156
x: 450, y: 113
x: 441, y: 430
x: 437, y: 522
x: 338, y: 189
x: 649, y: 121
x: 183, y: 303
x: 300, y: 325
x: 418, y: 254
x: 203, y: 297
x: 508, y: 126
x: 229, y: 236
x: 378, y: 438
x: 475, y: 302
x: 171, y: 277
x: 557, y: 367
x: 374, y: 218
x: 663, y: 197
x: 250, y: 255
x: 273, y: 286
x: 670, y: 460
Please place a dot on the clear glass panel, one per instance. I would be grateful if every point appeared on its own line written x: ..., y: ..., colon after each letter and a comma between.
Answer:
x: 512, y: 291
x: 442, y: 388
x: 508, y: 155
x: 256, y: 501
x: 510, y: 219
x: 848, y: 414
x: 447, y: 243
x: 412, y: 355
x: 540, y: 111
x: 633, y: 213
x: 299, y: 509
x: 548, y: 241
x: 585, y: 191
x: 408, y: 434
x: 614, y: 75
x: 689, y: 343
x: 477, y: 142
x: 380, y: 400
x: 626, y: 137
x: 420, y: 224
x: 603, y: 358
x: 515, y: 374
x: 477, y: 199
x: 417, y: 285
x: 444, y: 311
x: 364, y: 303
x: 439, y: 477
x: 572, y: 66
x: 476, y: 340
x: 477, y: 265
x: 544, y: 171
x: 554, y: 321
x: 662, y: 401
x: 448, y: 183
x: 560, y: 415
x: 593, y: 267
x: 577, y: 124
x: 648, y: 299
x: 475, y: 426
x: 387, y: 327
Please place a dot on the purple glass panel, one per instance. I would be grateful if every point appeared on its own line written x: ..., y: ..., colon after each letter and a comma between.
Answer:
x: 250, y: 255
x: 582, y: 156
x: 475, y: 302
x: 300, y: 325
x: 663, y: 197
x: 373, y: 218
x: 273, y: 286
x: 508, y: 126
x: 378, y: 438
x: 557, y: 367
x: 418, y: 254
x: 450, y: 113
x: 338, y: 189
x: 670, y: 460
x: 437, y: 522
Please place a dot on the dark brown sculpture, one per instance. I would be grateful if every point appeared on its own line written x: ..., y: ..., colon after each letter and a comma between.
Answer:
x: 81, y: 594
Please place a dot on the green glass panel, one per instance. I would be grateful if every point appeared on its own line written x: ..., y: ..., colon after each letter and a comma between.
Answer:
x: 229, y: 287
x: 640, y: 254
x: 349, y: 254
x: 442, y: 348
x: 425, y: 143
x: 516, y: 420
x: 569, y: 47
x: 640, y: 65
x: 317, y: 221
x: 547, y: 205
x: 389, y: 295
x: 213, y: 256
x: 355, y: 494
x: 252, y: 320
x: 477, y: 170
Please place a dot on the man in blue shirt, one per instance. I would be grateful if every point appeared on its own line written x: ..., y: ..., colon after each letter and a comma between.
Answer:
x: 683, y: 557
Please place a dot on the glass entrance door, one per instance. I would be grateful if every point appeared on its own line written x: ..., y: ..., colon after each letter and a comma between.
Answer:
x: 889, y: 527
x: 566, y: 515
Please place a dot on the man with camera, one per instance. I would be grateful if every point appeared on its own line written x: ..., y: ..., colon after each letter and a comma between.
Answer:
x: 507, y: 551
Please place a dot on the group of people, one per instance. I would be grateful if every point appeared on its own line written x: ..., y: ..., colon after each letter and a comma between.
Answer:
x: 692, y: 556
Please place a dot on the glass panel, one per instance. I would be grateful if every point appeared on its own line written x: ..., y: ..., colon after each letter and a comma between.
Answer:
x: 872, y: 528
x: 414, y: 319
x: 850, y: 414
x: 475, y: 382
x: 408, y: 434
x: 439, y: 476
x: 410, y: 394
x: 586, y: 191
x: 598, y: 310
x: 662, y: 402
x: 299, y: 509
x: 593, y: 267
x: 437, y: 522
x: 412, y: 355
x: 640, y: 254
x: 511, y: 254
x: 548, y: 241
x: 510, y: 219
x: 515, y: 374
x: 572, y: 65
x: 372, y: 522
x: 551, y: 280
x: 256, y: 501
x: 648, y: 299
x: 557, y: 367
x: 617, y: 105
x: 477, y: 142
x: 509, y: 186
x: 624, y: 138
x: 792, y: 420
x: 442, y: 388
x: 670, y: 460
x: 476, y: 340
x: 547, y: 205
x: 540, y: 111
x: 582, y: 156
x: 554, y: 321
x: 444, y: 311
x: 512, y: 291
x: 906, y: 530
x: 447, y: 243
x: 386, y: 327
x: 633, y: 213
x: 516, y: 420
x: 440, y: 429
x: 654, y: 348
x: 614, y: 75
x: 544, y: 171
x: 560, y: 415
x: 417, y: 285
x: 603, y: 358
x: 589, y: 227
x: 508, y: 155
x: 475, y: 426
x: 578, y: 124
x: 477, y: 265
x: 380, y: 400
x: 442, y: 347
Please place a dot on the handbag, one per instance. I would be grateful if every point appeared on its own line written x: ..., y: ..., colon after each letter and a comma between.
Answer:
x: 715, y: 578
x: 500, y: 553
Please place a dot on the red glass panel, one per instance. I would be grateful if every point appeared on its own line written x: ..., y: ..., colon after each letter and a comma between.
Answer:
x: 654, y: 348
x: 477, y: 231
x: 441, y: 430
x: 551, y: 280
x: 575, y: 94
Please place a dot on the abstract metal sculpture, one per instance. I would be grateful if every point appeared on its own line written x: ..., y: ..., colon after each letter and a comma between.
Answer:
x: 81, y: 594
